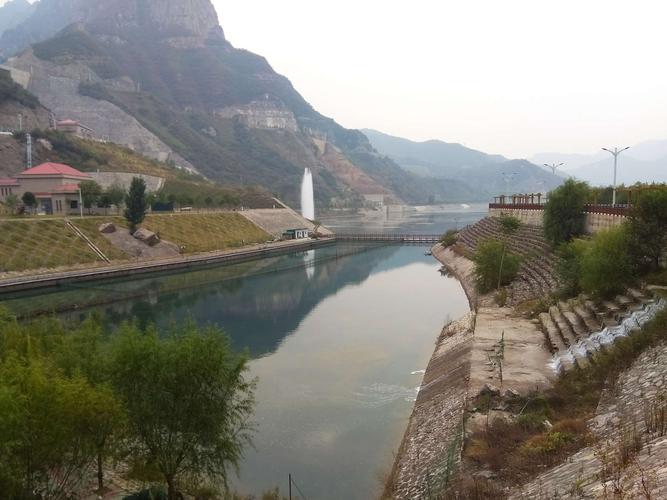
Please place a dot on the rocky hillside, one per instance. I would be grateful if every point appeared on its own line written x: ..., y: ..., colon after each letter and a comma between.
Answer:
x: 161, y: 78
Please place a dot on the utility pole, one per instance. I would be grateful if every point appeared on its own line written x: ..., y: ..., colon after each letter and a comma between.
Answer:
x: 20, y: 122
x: 553, y: 166
x: 615, y: 153
x: 28, y: 154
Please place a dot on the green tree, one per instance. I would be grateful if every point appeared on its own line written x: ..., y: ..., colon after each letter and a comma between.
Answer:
x: 569, y: 264
x: 188, y: 401
x: 494, y: 266
x: 136, y: 204
x: 29, y: 200
x: 11, y: 202
x: 90, y: 193
x: 606, y: 266
x: 564, y: 212
x: 647, y: 226
x: 116, y: 195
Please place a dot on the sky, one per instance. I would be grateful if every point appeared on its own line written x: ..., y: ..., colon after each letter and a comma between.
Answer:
x: 513, y: 77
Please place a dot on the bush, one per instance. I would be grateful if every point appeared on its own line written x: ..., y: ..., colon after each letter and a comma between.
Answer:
x: 494, y: 265
x: 569, y: 263
x: 647, y: 225
x: 606, y: 266
x: 449, y: 238
x: 509, y: 223
x: 564, y: 212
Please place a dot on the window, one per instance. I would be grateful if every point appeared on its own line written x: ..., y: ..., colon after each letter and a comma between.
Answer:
x: 74, y: 204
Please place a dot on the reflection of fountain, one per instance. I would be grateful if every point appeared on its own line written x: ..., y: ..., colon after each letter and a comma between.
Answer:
x: 307, y: 196
x: 309, y: 261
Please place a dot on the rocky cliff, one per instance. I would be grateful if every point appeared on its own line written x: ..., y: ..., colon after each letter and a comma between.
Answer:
x: 160, y: 77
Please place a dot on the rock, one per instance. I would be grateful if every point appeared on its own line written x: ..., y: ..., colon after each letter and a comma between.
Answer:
x: 107, y: 228
x: 490, y: 390
x: 511, y: 394
x: 148, y: 237
x: 547, y: 425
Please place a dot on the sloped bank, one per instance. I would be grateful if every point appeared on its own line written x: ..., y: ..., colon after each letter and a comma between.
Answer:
x: 431, y: 445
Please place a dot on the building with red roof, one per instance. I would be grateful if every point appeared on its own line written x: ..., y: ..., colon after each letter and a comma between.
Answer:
x: 55, y: 185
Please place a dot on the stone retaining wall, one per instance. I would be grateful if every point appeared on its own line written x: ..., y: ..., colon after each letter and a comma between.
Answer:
x: 594, y: 221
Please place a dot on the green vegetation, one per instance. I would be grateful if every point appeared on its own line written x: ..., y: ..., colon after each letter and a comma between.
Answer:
x: 136, y: 204
x: 10, y: 91
x: 647, y: 227
x: 173, y: 406
x: 449, y: 238
x: 509, y: 224
x: 519, y: 449
x: 26, y: 244
x: 606, y: 265
x: 206, y: 232
x: 90, y: 193
x: 494, y: 265
x: 29, y: 200
x: 564, y: 212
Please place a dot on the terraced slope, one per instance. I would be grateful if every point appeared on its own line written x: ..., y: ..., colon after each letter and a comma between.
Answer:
x: 537, y: 276
x: 577, y: 328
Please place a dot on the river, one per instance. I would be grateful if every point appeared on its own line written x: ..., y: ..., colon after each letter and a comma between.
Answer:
x: 338, y: 338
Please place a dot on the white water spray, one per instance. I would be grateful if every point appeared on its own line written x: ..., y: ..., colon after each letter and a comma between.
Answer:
x: 307, y: 196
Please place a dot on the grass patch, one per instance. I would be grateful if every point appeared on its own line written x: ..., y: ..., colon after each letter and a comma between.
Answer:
x: 40, y: 244
x: 89, y: 227
x: 206, y: 232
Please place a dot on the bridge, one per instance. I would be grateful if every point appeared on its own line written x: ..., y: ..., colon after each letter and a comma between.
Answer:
x: 421, y: 239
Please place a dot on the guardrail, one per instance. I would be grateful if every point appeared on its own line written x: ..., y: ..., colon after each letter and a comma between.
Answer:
x: 621, y: 210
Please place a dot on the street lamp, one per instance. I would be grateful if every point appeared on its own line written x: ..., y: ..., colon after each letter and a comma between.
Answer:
x: 615, y: 152
x: 553, y: 166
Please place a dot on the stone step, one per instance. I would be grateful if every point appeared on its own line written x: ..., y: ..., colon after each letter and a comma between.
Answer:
x: 560, y: 321
x: 591, y: 323
x: 552, y: 332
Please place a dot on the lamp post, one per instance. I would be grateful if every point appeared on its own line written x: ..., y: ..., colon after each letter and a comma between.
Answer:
x: 80, y: 203
x: 553, y: 166
x: 615, y: 152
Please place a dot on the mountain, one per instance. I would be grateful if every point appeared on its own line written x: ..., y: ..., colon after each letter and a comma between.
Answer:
x: 643, y: 162
x: 430, y: 157
x: 160, y: 77
x: 463, y: 169
x: 14, y: 13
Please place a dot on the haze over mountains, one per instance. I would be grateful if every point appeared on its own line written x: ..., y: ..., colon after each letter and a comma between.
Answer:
x: 481, y: 175
x: 643, y: 162
x: 160, y: 77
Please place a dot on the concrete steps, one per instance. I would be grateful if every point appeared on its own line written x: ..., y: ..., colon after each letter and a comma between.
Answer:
x: 568, y: 325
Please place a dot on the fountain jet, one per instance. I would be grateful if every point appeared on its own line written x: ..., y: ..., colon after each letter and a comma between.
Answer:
x: 307, y: 196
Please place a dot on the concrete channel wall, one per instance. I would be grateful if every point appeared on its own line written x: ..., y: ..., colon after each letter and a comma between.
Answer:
x: 186, y: 262
x: 595, y: 222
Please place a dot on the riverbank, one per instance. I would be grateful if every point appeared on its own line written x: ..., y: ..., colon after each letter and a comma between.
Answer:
x: 253, y: 252
x: 460, y: 369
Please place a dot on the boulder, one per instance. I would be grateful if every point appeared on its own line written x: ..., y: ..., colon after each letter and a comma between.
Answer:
x: 490, y: 390
x: 148, y: 237
x: 511, y: 394
x: 107, y: 228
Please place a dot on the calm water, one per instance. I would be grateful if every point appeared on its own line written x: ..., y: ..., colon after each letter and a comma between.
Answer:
x: 338, y: 336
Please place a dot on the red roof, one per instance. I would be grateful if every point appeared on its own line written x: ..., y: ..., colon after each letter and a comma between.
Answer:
x: 67, y: 188
x: 68, y: 122
x: 57, y: 169
x: 9, y: 182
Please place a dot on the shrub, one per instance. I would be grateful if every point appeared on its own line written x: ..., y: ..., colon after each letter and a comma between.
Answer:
x: 569, y: 264
x: 509, y: 223
x: 494, y: 265
x: 449, y: 238
x: 564, y: 212
x: 647, y: 225
x: 606, y: 266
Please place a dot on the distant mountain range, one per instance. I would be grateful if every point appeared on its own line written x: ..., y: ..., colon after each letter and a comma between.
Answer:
x: 478, y: 174
x: 14, y: 13
x: 643, y: 162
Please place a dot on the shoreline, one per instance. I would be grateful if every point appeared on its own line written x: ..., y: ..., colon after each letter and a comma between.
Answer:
x: 432, y: 441
x: 127, y: 268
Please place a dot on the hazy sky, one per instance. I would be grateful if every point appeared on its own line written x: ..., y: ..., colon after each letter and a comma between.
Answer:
x: 511, y: 77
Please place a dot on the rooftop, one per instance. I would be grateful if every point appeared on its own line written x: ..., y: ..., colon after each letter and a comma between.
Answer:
x: 54, y: 169
x: 9, y: 182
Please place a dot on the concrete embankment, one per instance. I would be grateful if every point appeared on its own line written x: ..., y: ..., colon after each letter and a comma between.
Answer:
x: 179, y: 263
x: 432, y: 442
